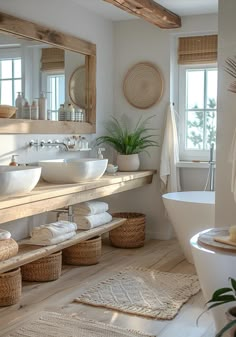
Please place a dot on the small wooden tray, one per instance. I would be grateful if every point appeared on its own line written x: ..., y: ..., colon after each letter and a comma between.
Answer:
x: 209, y: 238
x: 225, y: 239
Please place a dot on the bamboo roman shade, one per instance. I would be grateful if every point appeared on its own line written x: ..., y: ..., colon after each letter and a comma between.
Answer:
x: 52, y: 59
x: 197, y: 49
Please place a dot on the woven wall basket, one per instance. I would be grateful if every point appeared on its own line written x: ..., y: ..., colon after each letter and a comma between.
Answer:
x: 46, y: 269
x: 10, y: 287
x: 131, y: 234
x: 84, y: 253
x: 8, y: 248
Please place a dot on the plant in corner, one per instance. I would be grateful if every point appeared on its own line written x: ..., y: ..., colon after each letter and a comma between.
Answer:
x: 127, y: 143
x: 223, y: 296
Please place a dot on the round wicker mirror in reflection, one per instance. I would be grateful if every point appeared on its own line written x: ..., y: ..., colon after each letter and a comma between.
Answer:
x: 143, y: 85
x: 77, y: 86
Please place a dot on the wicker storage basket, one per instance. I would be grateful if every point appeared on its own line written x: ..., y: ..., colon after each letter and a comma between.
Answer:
x: 10, y: 287
x: 84, y: 253
x: 46, y: 269
x: 8, y: 248
x: 131, y: 234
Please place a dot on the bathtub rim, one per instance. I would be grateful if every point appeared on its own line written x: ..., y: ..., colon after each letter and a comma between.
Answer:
x: 181, y: 197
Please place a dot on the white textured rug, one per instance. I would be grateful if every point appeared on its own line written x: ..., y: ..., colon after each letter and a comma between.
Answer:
x: 144, y: 292
x: 51, y: 324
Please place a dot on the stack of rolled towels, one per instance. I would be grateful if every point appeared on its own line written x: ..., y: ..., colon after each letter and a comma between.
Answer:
x: 52, y: 233
x: 8, y: 246
x: 89, y: 214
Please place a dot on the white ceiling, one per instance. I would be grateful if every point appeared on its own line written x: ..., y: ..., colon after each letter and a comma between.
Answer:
x: 180, y: 7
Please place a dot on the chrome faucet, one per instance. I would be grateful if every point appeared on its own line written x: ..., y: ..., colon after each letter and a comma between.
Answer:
x: 49, y: 143
x: 212, y: 168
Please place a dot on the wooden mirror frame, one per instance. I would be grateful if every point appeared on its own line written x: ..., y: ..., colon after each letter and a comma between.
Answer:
x: 19, y: 27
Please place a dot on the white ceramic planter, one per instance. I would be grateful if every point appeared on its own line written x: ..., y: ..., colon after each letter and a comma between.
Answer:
x: 128, y: 162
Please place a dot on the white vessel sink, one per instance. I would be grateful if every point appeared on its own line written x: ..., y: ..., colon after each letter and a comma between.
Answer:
x: 66, y: 171
x: 15, y: 180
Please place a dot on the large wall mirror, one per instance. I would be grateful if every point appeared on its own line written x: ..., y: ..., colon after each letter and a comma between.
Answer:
x: 36, y: 60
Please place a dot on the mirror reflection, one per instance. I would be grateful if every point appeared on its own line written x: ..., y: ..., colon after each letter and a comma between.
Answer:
x: 44, y: 82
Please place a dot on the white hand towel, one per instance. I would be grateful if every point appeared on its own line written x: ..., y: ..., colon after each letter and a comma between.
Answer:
x: 232, y: 158
x: 4, y: 234
x: 53, y: 230
x: 92, y: 221
x: 90, y: 208
x: 169, y: 172
x: 48, y: 241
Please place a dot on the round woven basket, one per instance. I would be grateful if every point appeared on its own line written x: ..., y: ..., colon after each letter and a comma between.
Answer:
x: 46, y: 269
x: 131, y: 234
x: 10, y: 287
x: 85, y: 253
x: 8, y: 248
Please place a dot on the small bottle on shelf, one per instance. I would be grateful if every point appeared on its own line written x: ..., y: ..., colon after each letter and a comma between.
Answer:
x: 19, y: 103
x: 43, y: 114
x: 84, y: 144
x: 26, y: 113
x: 34, y: 110
x: 61, y: 113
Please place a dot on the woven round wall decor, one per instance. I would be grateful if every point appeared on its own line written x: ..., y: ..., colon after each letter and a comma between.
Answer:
x: 143, y: 85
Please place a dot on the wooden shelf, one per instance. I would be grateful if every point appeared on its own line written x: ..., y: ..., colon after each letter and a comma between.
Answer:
x: 28, y: 253
x: 47, y: 197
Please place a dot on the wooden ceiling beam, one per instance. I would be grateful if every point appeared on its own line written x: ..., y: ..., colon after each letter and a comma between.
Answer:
x: 150, y: 11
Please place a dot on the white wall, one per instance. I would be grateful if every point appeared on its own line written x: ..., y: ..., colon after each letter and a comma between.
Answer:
x: 226, y: 121
x: 137, y: 41
x: 72, y: 19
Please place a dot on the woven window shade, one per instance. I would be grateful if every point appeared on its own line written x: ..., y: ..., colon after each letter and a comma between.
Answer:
x: 52, y: 59
x: 197, y: 49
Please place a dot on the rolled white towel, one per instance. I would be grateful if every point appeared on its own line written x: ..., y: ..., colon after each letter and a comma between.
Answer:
x: 4, y: 234
x: 91, y: 221
x: 53, y: 230
x: 90, y: 208
x: 49, y: 241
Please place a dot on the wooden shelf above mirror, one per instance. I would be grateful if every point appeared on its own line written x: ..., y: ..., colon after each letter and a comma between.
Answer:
x: 16, y: 27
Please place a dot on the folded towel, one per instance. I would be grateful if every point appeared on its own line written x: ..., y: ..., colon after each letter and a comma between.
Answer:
x: 92, y: 221
x: 48, y: 241
x: 90, y: 208
x: 4, y: 234
x: 53, y: 230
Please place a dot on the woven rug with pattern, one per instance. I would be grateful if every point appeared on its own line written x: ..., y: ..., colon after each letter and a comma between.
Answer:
x: 50, y: 324
x: 145, y: 292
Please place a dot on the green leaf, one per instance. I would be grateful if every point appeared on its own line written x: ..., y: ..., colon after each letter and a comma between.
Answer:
x: 226, y: 328
x: 217, y: 293
x: 233, y: 283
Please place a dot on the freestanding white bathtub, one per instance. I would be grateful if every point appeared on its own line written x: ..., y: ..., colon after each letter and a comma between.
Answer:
x: 190, y: 213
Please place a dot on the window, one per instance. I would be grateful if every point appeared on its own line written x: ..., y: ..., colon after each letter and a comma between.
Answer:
x: 56, y: 96
x: 10, y: 80
x: 198, y: 109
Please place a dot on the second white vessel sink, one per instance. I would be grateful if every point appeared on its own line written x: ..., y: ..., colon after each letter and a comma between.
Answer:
x: 66, y: 171
x: 15, y: 180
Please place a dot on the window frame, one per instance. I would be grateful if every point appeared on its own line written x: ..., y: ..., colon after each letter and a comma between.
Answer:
x: 185, y: 154
x: 11, y: 54
x: 45, y: 78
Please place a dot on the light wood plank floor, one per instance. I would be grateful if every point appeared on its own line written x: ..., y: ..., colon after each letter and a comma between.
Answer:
x: 59, y: 295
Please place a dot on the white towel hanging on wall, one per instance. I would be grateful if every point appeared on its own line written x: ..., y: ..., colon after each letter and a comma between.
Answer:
x: 169, y: 172
x: 232, y: 156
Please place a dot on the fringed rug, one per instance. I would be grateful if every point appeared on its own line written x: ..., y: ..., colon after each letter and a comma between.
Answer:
x: 144, y: 292
x: 51, y: 324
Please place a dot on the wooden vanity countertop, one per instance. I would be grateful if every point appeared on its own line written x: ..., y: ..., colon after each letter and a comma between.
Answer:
x: 46, y: 197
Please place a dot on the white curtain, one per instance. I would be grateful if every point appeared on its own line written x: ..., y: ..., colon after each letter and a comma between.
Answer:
x: 169, y: 172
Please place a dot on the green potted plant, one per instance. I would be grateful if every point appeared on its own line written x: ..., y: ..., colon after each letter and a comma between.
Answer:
x: 223, y: 296
x: 128, y: 143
